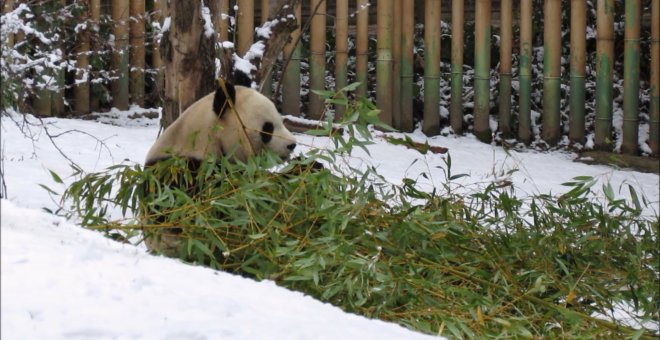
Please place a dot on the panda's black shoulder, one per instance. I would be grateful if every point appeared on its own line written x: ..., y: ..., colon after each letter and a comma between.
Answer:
x: 223, y: 94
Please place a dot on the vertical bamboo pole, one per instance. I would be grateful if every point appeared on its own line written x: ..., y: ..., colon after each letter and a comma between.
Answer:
x: 524, y: 102
x: 482, y: 70
x: 291, y: 77
x: 95, y: 18
x: 385, y: 9
x: 245, y: 18
x: 137, y: 52
x: 156, y: 61
x: 120, y: 11
x: 432, y: 35
x: 223, y: 20
x: 604, y: 68
x: 317, y: 59
x: 81, y: 89
x: 42, y: 102
x: 341, y: 59
x: 362, y: 46
x: 506, y: 43
x: 551, y: 71
x: 396, y: 64
x: 267, y: 88
x: 654, y: 131
x: 6, y: 8
x: 578, y: 52
x: 457, y: 48
x: 407, y: 49
x: 631, y: 77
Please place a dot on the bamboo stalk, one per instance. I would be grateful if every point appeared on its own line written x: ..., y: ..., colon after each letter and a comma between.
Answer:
x: 604, y: 68
x: 506, y: 43
x: 631, y: 78
x: 524, y: 114
x: 578, y: 33
x: 551, y: 71
x: 432, y: 35
x: 384, y: 61
x: 341, y: 59
x: 317, y: 59
x: 407, y: 48
x: 245, y: 19
x: 57, y: 97
x: 120, y: 12
x: 457, y: 50
x: 291, y: 76
x: 267, y: 86
x: 42, y: 102
x: 7, y: 7
x: 362, y: 46
x: 654, y: 131
x: 137, y: 55
x: 482, y: 71
x: 397, y: 31
x: 81, y: 88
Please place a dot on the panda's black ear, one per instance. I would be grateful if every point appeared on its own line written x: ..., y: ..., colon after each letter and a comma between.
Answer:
x: 241, y: 78
x: 220, y: 99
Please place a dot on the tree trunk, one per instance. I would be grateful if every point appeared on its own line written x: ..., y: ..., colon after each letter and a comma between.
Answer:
x: 188, y: 55
x: 120, y: 11
x: 81, y: 90
x: 137, y: 52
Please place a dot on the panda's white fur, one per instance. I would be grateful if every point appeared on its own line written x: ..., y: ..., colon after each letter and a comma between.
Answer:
x: 237, y: 128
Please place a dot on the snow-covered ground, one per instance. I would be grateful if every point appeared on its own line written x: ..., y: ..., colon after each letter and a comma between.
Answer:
x: 62, y: 281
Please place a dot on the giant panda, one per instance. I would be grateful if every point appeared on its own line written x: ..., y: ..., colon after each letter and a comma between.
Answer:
x: 234, y: 121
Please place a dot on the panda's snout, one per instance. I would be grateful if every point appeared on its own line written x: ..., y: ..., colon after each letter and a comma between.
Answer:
x: 291, y: 146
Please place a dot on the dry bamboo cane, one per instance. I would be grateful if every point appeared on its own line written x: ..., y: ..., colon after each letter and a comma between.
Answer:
x: 524, y: 115
x: 291, y: 76
x: 482, y: 71
x: 457, y: 48
x: 396, y: 64
x: 137, y: 61
x: 385, y: 9
x: 506, y: 42
x: 551, y: 72
x: 407, y: 47
x: 81, y: 89
x: 120, y: 12
x: 432, y: 33
x: 317, y: 59
x: 604, y: 68
x: 341, y: 60
x: 654, y: 131
x: 362, y: 47
x: 578, y: 33
x: 631, y: 78
x: 245, y: 19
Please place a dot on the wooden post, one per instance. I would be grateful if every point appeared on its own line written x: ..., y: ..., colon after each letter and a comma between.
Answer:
x: 341, y: 59
x: 407, y: 65
x: 432, y: 35
x: 137, y: 52
x: 604, y: 69
x: 362, y: 46
x: 245, y: 19
x: 385, y: 9
x: 551, y: 71
x: 317, y: 59
x: 457, y: 49
x: 482, y: 71
x: 524, y: 115
x: 578, y: 33
x: 120, y: 17
x: 506, y: 44
x: 81, y: 88
x: 291, y: 76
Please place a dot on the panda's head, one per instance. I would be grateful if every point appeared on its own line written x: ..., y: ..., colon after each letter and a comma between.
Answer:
x: 234, y: 120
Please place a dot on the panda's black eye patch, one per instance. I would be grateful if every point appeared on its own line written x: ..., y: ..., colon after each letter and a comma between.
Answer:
x: 267, y: 132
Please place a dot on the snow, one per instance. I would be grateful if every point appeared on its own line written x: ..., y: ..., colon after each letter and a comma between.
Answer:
x: 62, y: 281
